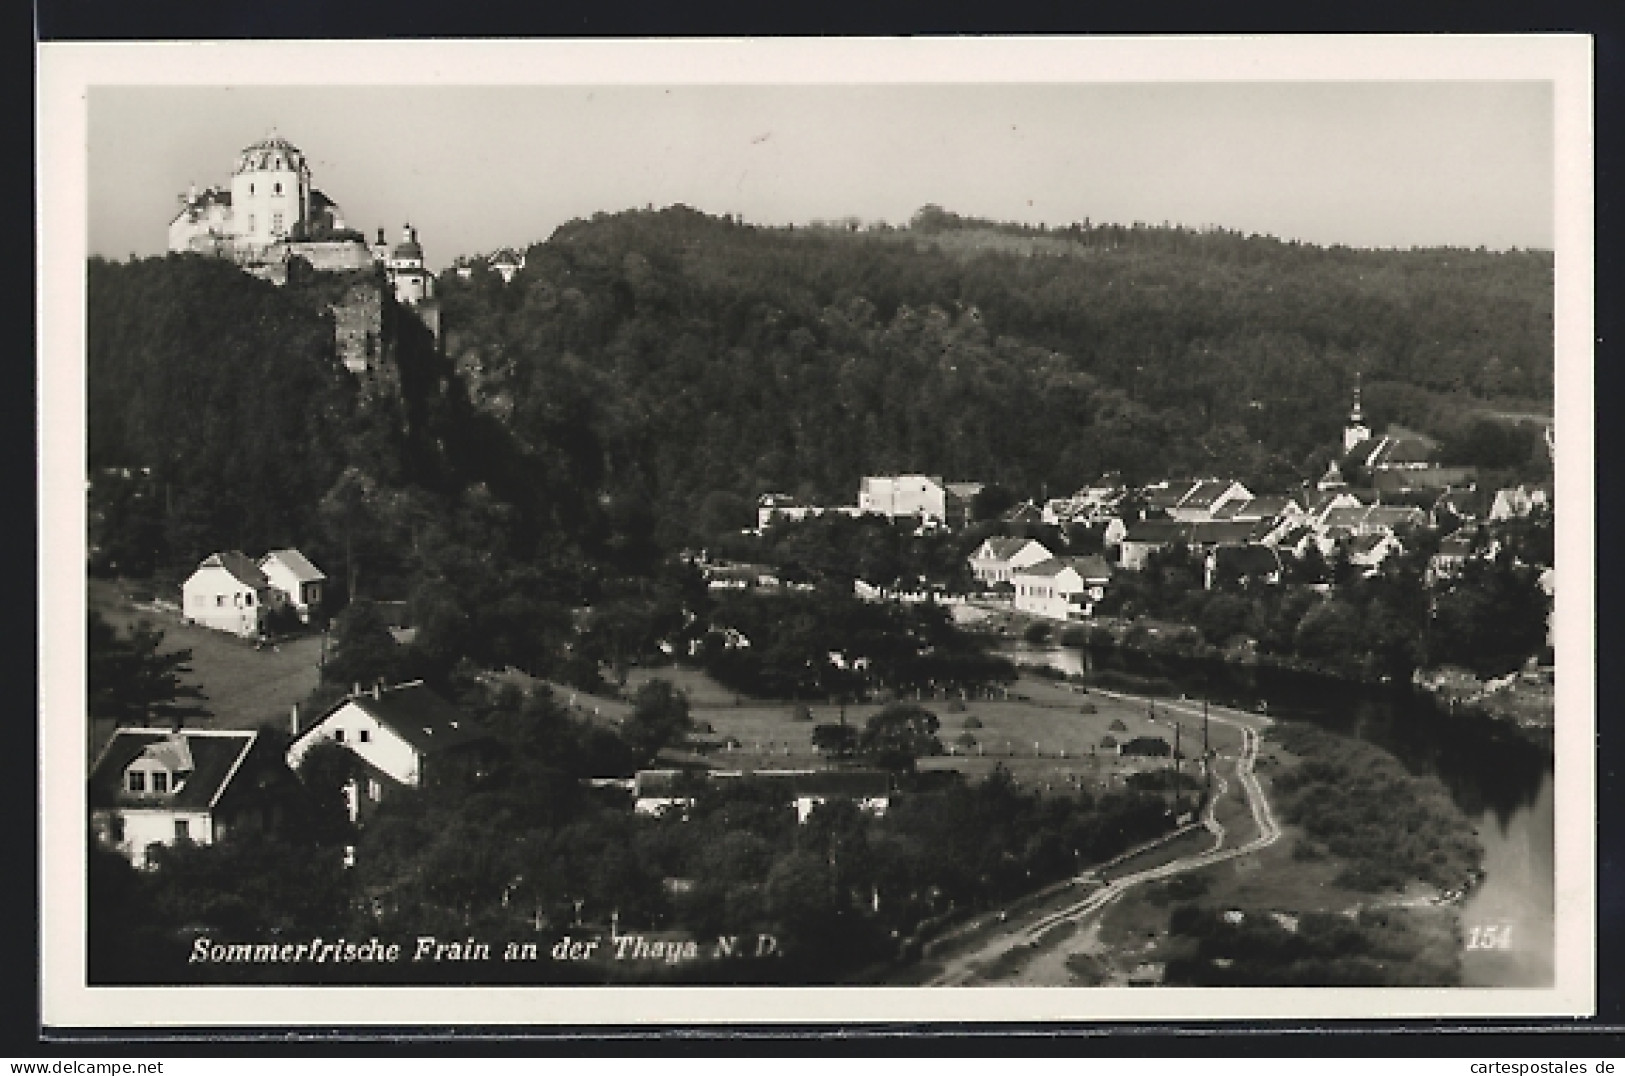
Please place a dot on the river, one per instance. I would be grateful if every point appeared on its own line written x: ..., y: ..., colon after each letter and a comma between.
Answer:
x: 1500, y: 780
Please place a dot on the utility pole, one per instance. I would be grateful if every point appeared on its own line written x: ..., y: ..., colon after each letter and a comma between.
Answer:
x: 1207, y: 757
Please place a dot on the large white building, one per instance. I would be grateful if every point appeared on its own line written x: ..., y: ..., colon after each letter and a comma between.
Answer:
x: 919, y: 495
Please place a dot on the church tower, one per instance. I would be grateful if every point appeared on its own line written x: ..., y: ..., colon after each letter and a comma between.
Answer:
x: 1356, y: 432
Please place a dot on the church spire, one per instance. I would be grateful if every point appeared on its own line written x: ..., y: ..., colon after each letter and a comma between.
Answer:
x: 1356, y: 432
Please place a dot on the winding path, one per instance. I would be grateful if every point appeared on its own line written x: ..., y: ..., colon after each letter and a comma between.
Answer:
x: 966, y: 969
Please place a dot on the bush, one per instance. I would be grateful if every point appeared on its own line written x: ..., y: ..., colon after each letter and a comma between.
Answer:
x: 1075, y: 636
x: 1088, y: 708
x: 956, y: 707
x: 801, y: 713
x: 1036, y: 633
x: 973, y: 722
x: 966, y: 740
x: 1108, y: 741
x: 1117, y: 725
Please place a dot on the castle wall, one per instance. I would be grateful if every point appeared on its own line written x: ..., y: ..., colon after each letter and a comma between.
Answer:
x: 333, y: 257
x: 358, y: 327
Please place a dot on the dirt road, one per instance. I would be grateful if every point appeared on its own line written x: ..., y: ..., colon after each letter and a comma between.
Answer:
x: 1036, y: 937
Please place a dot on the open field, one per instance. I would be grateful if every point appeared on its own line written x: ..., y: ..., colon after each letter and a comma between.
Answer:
x: 245, y: 687
x: 1040, y: 735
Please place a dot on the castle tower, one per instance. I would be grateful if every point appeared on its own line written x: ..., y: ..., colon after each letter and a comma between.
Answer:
x: 270, y: 194
x: 407, y: 274
x: 1356, y: 432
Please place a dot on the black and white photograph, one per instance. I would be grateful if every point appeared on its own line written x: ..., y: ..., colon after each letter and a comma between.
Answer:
x: 531, y: 524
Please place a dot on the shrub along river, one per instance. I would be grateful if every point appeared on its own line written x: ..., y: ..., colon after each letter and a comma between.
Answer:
x: 1499, y: 779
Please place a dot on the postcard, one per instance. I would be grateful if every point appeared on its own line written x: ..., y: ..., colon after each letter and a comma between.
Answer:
x: 924, y: 530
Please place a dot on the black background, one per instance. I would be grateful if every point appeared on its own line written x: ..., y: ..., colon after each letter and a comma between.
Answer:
x: 68, y: 20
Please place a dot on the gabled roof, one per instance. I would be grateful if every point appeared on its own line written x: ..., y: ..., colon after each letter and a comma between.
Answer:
x: 1205, y: 492
x: 414, y: 712
x: 293, y: 560
x: 1089, y: 567
x: 1026, y: 512
x: 1005, y: 548
x: 963, y: 490
x: 241, y: 568
x: 1157, y: 530
x: 213, y: 757
x: 1170, y: 495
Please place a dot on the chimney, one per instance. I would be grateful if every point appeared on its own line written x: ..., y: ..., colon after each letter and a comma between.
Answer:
x: 355, y: 689
x: 293, y: 717
x: 378, y: 689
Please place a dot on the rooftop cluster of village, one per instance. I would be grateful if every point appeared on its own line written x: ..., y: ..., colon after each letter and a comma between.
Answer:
x: 1238, y: 534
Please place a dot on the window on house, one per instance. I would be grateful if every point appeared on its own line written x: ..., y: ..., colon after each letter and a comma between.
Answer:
x: 366, y: 735
x: 248, y: 600
x: 219, y: 600
x: 183, y: 830
x: 251, y: 216
x: 338, y: 735
x: 251, y: 191
x: 138, y: 781
x: 277, y: 189
x: 276, y: 223
x: 160, y: 781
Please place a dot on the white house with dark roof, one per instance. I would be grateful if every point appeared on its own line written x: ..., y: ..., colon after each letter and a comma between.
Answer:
x: 1062, y: 588
x: 296, y: 581
x: 404, y: 736
x: 227, y: 592
x: 152, y: 787
x: 997, y: 559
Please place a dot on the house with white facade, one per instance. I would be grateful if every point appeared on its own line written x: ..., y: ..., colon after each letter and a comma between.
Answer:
x: 997, y: 559
x: 297, y: 582
x: 1518, y: 502
x: 1062, y: 588
x: 772, y: 508
x: 227, y: 592
x: 919, y: 495
x: 152, y: 787
x: 405, y: 736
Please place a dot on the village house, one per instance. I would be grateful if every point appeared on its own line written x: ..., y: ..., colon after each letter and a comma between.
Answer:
x: 1061, y: 588
x: 405, y: 736
x: 1153, y: 535
x: 1519, y: 502
x: 295, y: 581
x: 152, y: 787
x: 1371, y: 519
x: 997, y: 559
x: 1453, y: 554
x: 919, y: 495
x: 227, y: 592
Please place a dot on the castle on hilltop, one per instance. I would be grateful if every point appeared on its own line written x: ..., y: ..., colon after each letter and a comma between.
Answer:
x: 272, y: 222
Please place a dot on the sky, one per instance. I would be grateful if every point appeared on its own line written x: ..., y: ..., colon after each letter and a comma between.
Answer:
x: 1366, y: 164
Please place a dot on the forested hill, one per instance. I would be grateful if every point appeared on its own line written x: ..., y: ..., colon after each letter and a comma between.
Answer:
x: 647, y: 374
x: 725, y: 360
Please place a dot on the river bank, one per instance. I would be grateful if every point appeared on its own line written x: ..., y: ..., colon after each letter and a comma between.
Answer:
x: 1281, y: 911
x: 1527, y: 710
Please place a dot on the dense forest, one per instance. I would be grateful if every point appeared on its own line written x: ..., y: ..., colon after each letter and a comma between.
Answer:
x: 649, y: 373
